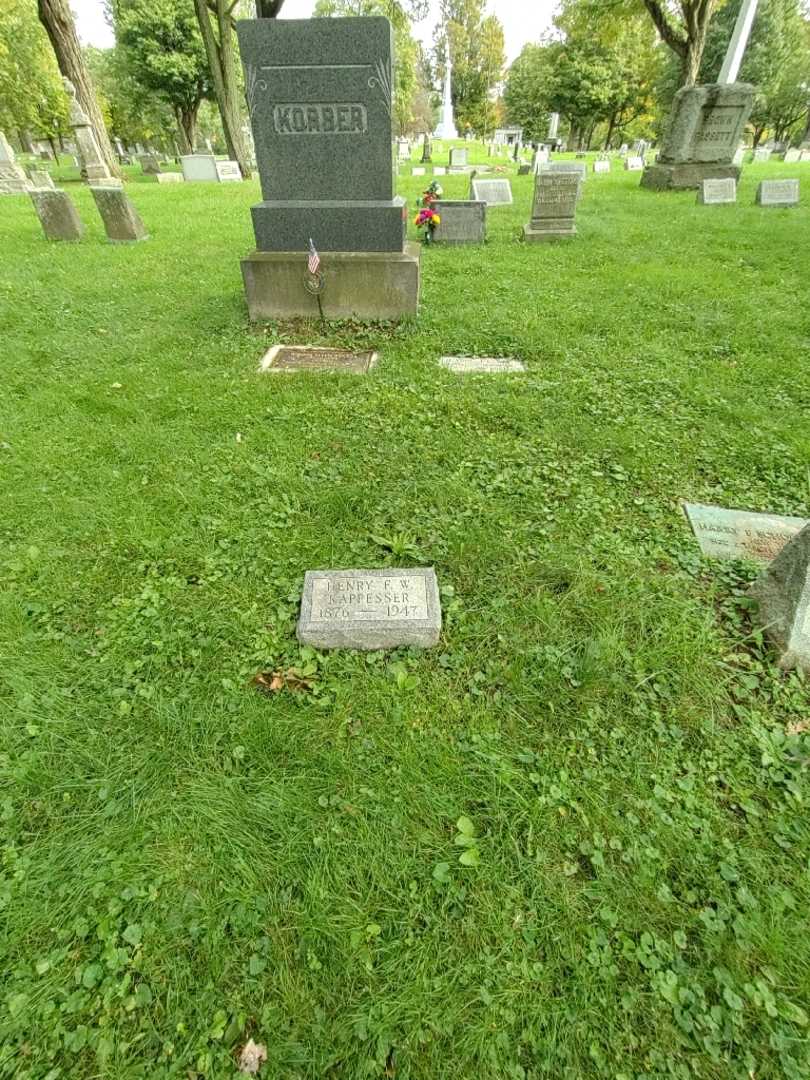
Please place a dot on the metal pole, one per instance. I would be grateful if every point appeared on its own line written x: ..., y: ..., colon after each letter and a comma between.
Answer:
x: 739, y: 40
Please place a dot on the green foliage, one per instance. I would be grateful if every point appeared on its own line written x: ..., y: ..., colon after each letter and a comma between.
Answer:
x: 478, y: 59
x: 162, y: 48
x: 132, y: 112
x: 31, y: 94
x: 777, y: 61
x: 186, y: 863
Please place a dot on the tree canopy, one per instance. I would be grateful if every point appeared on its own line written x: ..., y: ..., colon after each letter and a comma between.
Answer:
x: 31, y: 94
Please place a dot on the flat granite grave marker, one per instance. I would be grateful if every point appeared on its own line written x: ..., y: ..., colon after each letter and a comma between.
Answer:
x: 295, y: 358
x: 170, y: 178
x: 713, y: 192
x: 554, y: 208
x: 439, y: 170
x: 601, y: 166
x: 228, y: 171
x: 199, y: 168
x: 633, y: 163
x: 320, y: 99
x: 761, y: 155
x: 57, y: 214
x: 783, y: 595
x: 741, y: 534
x: 462, y: 222
x: 491, y: 192
x: 778, y: 193
x: 792, y: 156
x: 122, y: 222
x: 481, y: 365
x: 370, y: 609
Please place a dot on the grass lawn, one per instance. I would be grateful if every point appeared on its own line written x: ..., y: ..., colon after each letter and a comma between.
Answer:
x: 187, y: 863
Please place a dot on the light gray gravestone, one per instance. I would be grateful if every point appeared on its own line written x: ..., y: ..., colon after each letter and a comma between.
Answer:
x: 13, y: 180
x: 573, y: 168
x: 228, y: 171
x: 633, y: 163
x: 741, y: 534
x: 418, y: 170
x: 601, y: 166
x: 491, y: 192
x: 122, y: 222
x: 93, y: 165
x: 370, y: 609
x: 717, y: 191
x: 761, y: 155
x: 783, y: 595
x: 439, y: 170
x: 40, y: 178
x: 170, y: 178
x: 320, y: 100
x: 150, y: 164
x: 554, y: 208
x: 481, y: 365
x: 459, y: 157
x: 57, y: 214
x: 704, y: 130
x: 199, y: 168
x: 462, y: 222
x: 792, y: 156
x: 778, y: 193
x: 739, y: 156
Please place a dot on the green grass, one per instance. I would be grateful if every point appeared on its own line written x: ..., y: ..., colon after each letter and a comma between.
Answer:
x: 187, y: 863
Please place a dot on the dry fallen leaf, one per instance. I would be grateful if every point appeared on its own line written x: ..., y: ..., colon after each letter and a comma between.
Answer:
x: 252, y: 1056
x: 798, y: 727
x: 270, y: 682
x: 116, y: 386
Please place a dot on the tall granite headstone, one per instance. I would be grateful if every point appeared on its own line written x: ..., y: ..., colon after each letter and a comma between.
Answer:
x: 13, y: 180
x: 320, y: 98
x: 704, y: 132
x: 554, y: 209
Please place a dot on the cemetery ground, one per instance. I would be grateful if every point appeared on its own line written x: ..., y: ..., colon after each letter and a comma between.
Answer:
x: 190, y: 860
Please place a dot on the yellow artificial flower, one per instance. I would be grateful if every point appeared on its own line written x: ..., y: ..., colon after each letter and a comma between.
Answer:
x: 437, y: 220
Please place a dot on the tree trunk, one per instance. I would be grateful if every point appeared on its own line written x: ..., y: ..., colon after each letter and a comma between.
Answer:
x: 56, y: 17
x: 611, y: 126
x: 25, y: 141
x: 53, y: 149
x: 222, y: 62
x: 268, y: 9
x: 187, y: 127
x: 806, y: 139
x: 758, y: 133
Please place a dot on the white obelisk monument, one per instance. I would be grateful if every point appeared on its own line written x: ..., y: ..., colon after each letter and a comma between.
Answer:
x: 447, y: 124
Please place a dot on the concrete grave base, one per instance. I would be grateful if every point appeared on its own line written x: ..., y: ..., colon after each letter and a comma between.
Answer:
x: 688, y: 175
x: 535, y: 234
x: 361, y: 284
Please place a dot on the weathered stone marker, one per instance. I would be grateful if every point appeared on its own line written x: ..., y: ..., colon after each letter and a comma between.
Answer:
x: 601, y: 166
x: 228, y: 171
x: 741, y: 534
x: 633, y: 163
x: 778, y: 193
x: 297, y: 358
x: 459, y: 157
x: 370, y: 609
x: 13, y: 180
x: 783, y: 593
x: 481, y: 365
x: 150, y: 164
x: 200, y: 168
x: 572, y: 168
x: 491, y: 192
x: 40, y: 178
x: 93, y: 165
x: 704, y: 131
x: 717, y: 191
x: 554, y: 208
x: 792, y: 155
x: 169, y: 178
x: 463, y: 222
x: 122, y: 222
x: 57, y: 214
x: 320, y: 99
x: 761, y: 155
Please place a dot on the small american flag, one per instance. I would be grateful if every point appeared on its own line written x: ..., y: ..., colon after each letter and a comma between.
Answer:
x: 314, y: 262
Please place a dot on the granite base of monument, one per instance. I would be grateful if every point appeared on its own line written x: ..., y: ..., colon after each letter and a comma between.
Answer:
x: 350, y: 226
x: 688, y: 175
x: 783, y: 596
x: 359, y: 284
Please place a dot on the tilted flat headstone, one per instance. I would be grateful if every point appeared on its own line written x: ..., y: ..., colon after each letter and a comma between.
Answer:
x: 491, y: 192
x: 370, y: 609
x: 199, y: 168
x: 717, y: 191
x: 601, y: 166
x: 228, y: 171
x: 150, y: 164
x: 462, y: 222
x: 57, y: 214
x: 778, y: 193
x: 554, y: 207
x: 40, y: 178
x: 792, y: 156
x: 481, y: 365
x: 783, y: 594
x: 741, y: 534
x: 122, y: 222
